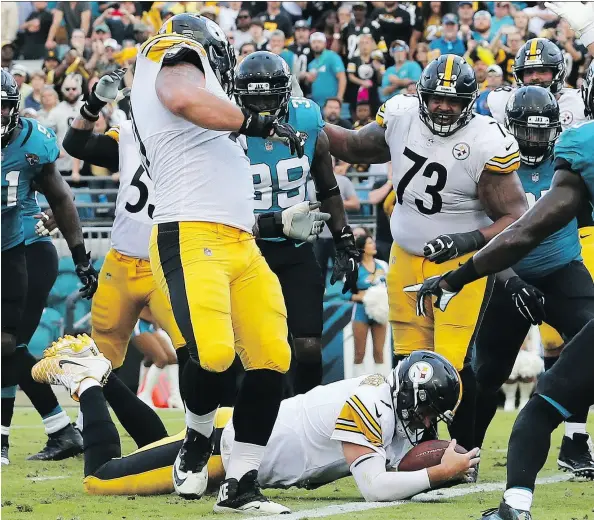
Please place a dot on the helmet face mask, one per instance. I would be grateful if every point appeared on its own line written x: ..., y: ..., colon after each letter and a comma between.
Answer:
x: 540, y: 54
x: 587, y: 90
x: 10, y: 106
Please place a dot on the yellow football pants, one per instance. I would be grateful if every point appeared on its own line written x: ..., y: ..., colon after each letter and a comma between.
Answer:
x: 126, y: 286
x: 448, y: 333
x: 224, y: 296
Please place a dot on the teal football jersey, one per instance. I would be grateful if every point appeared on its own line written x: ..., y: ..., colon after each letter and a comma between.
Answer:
x: 575, y: 146
x: 561, y: 247
x: 22, y: 161
x: 280, y: 179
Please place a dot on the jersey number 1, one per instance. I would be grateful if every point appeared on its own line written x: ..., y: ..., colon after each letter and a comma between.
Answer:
x: 12, y: 178
x: 431, y: 189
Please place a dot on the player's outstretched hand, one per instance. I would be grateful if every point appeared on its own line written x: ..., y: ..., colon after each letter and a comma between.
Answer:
x: 46, y: 225
x: 303, y: 222
x: 579, y: 16
x: 432, y: 287
x: 459, y: 466
x: 88, y: 276
x: 286, y: 134
x: 346, y: 260
x: 106, y: 90
x: 528, y: 299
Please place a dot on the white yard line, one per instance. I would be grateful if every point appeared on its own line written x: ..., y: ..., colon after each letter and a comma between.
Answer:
x: 431, y: 496
x: 41, y: 479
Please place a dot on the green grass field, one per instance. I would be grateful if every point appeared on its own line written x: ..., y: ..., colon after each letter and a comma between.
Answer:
x: 54, y: 491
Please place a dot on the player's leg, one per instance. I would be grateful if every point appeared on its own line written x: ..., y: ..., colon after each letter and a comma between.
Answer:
x: 261, y: 342
x: 378, y: 336
x: 360, y: 324
x: 497, y: 344
x: 191, y: 262
x: 13, y: 295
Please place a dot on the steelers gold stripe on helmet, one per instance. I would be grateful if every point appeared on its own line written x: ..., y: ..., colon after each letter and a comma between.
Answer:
x: 533, y: 47
x: 447, y: 75
x: 169, y: 26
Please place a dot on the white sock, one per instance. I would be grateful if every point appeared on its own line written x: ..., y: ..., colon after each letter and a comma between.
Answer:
x: 56, y: 422
x: 79, y: 420
x: 4, y: 430
x: 151, y: 379
x: 510, y: 389
x: 525, y: 391
x: 574, y: 427
x: 172, y: 372
x: 518, y: 498
x: 203, y: 424
x: 244, y: 457
x: 85, y: 384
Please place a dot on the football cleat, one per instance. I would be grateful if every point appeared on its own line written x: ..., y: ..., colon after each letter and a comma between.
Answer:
x: 190, y: 471
x: 79, y: 346
x: 505, y: 512
x: 61, y: 445
x: 69, y: 371
x: 575, y: 455
x: 4, y: 456
x: 244, y: 496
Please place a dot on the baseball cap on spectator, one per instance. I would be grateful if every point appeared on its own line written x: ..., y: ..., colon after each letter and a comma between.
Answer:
x: 51, y: 55
x: 495, y: 69
x: 460, y: 4
x: 19, y: 70
x: 102, y: 27
x: 301, y: 24
x: 359, y: 5
x: 482, y: 14
x: 398, y: 45
x: 111, y: 44
x: 317, y: 37
x: 449, y: 19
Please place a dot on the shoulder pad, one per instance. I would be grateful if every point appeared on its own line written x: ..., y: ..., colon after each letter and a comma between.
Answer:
x: 503, y: 154
x: 41, y: 147
x: 170, y: 45
x: 114, y: 133
x: 395, y: 105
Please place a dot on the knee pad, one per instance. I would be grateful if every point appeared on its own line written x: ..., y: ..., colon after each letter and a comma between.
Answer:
x: 308, y: 350
x: 8, y: 344
x: 214, y: 357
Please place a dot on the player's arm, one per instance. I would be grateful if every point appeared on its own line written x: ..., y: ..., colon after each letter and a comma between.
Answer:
x: 99, y: 149
x: 352, y: 145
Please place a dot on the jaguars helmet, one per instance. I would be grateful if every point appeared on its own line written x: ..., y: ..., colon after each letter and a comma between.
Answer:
x: 11, y: 101
x: 447, y: 76
x: 588, y: 91
x: 425, y: 385
x: 263, y: 83
x: 532, y: 117
x: 540, y: 53
x: 219, y: 51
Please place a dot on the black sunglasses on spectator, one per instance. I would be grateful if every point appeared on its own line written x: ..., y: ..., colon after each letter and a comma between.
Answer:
x: 69, y: 89
x: 243, y: 16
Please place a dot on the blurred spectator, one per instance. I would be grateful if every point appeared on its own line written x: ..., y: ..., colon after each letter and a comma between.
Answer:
x: 394, y: 24
x: 50, y: 64
x: 228, y: 16
x: 502, y: 16
x: 494, y: 80
x: 574, y: 52
x: 277, y: 46
x: 20, y: 76
x: 245, y: 50
x: 78, y: 42
x: 364, y: 74
x: 61, y: 117
x: 345, y: 15
x: 49, y: 101
x: 382, y: 195
x: 242, y: 32
x: 34, y: 32
x: 325, y: 72
x: 210, y: 12
x: 257, y: 32
x: 101, y: 32
x: 465, y: 14
x: 142, y: 32
x: 428, y: 24
x: 539, y: 15
x: 331, y: 112
x: 33, y: 100
x: 10, y: 21
x: 303, y: 54
x: 363, y: 115
x: 7, y: 54
x: 75, y: 15
x: 449, y: 42
x: 72, y: 64
x: 480, y: 71
x: 421, y: 54
x: 505, y: 54
x: 107, y: 51
x: 120, y: 21
x: 482, y: 27
x: 274, y: 18
x: 402, y: 73
x: 521, y: 22
x: 349, y: 35
x: 328, y: 26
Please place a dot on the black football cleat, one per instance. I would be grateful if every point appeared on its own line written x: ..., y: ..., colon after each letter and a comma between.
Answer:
x: 505, y: 512
x: 190, y: 470
x: 575, y: 456
x: 63, y: 444
x: 244, y: 496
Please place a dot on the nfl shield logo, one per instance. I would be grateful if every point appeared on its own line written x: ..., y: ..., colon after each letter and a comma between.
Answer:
x: 268, y: 145
x: 535, y: 177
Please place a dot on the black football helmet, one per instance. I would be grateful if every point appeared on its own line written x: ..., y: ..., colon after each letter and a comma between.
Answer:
x: 540, y: 53
x: 11, y: 101
x: 425, y: 385
x: 588, y: 91
x: 532, y: 117
x: 263, y: 83
x: 221, y: 54
x: 447, y: 76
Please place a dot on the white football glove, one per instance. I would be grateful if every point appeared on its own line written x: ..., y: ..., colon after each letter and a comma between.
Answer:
x: 46, y: 225
x: 302, y: 222
x: 430, y: 287
x: 107, y: 88
x: 579, y: 16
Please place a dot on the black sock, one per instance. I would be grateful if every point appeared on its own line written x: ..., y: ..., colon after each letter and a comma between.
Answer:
x: 462, y: 427
x: 486, y: 407
x: 530, y: 442
x: 140, y: 421
x: 100, y: 436
x: 549, y: 362
x: 201, y: 389
x: 42, y: 396
x: 257, y: 406
x: 307, y: 376
x: 11, y: 368
x: 580, y: 417
x: 6, y: 411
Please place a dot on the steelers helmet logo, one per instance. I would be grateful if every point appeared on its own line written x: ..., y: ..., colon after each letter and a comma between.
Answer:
x: 566, y: 117
x: 420, y: 373
x: 461, y: 151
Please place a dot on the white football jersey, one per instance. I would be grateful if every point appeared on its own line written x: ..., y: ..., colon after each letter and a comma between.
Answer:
x: 135, y: 203
x: 571, y: 105
x: 305, y: 448
x: 199, y: 174
x: 436, y: 178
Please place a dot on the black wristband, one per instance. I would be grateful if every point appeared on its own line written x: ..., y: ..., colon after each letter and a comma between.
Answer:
x: 340, y: 235
x: 271, y: 225
x: 478, y: 239
x: 324, y: 195
x: 462, y: 276
x: 88, y: 115
x: 79, y: 254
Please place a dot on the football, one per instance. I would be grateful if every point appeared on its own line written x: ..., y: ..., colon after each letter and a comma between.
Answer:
x: 425, y: 455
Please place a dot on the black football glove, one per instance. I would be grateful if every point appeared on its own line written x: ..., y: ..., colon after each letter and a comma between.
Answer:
x: 446, y: 247
x: 88, y: 276
x: 346, y: 260
x: 430, y: 287
x: 528, y: 299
